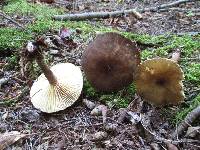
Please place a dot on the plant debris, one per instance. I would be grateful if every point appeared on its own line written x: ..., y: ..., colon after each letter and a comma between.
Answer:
x: 8, y: 138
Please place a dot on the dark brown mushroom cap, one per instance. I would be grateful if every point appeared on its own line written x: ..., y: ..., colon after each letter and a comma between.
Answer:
x: 110, y: 62
x: 159, y: 81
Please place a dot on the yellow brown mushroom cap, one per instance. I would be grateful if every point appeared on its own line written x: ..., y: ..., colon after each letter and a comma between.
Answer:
x: 159, y: 81
x: 52, y: 98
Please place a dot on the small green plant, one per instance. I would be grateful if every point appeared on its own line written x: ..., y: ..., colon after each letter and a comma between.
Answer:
x: 12, y: 62
x: 190, y: 14
x: 8, y: 102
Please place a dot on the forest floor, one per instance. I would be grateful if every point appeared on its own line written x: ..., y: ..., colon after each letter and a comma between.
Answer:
x: 157, y: 34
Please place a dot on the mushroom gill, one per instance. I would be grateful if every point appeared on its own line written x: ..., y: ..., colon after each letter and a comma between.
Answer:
x: 57, y: 88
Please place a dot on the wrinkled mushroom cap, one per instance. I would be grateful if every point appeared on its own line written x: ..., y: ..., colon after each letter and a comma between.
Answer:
x: 52, y: 98
x: 159, y: 81
x: 110, y: 61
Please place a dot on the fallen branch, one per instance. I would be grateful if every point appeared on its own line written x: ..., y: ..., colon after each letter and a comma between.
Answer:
x: 135, y: 12
x: 10, y: 19
x: 178, y: 2
x: 189, y: 119
x: 161, y: 139
x: 91, y: 15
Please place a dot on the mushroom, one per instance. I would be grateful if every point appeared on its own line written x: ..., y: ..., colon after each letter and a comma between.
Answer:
x: 57, y: 88
x: 110, y: 61
x: 159, y: 81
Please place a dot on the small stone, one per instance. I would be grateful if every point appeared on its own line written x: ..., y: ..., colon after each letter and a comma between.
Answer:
x: 99, y: 136
x: 111, y: 127
x: 54, y: 52
x: 89, y: 104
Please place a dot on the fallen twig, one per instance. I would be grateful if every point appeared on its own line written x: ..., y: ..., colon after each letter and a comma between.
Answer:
x: 172, y: 4
x: 180, y: 10
x: 161, y: 139
x: 91, y: 15
x: 10, y: 19
x: 189, y: 119
x: 136, y: 12
x: 188, y: 33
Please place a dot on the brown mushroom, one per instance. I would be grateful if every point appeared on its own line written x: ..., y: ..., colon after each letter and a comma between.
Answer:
x: 159, y: 81
x: 57, y: 88
x: 110, y: 61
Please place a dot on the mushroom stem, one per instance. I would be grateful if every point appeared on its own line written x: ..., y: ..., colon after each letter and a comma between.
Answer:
x: 47, y: 72
x: 176, y: 55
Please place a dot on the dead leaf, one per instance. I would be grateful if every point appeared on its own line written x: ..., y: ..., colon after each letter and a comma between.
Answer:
x: 155, y: 146
x: 99, y: 136
x: 64, y: 33
x: 9, y: 138
x: 192, y: 132
x: 171, y: 146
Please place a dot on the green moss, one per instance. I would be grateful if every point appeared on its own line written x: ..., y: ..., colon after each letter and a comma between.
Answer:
x: 12, y: 38
x: 187, y: 44
x: 147, y: 39
x: 120, y: 99
x: 39, y: 11
x: 115, y: 99
x: 192, y: 73
x: 89, y: 91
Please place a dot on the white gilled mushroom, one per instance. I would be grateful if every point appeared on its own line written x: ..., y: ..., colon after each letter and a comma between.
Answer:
x: 57, y: 88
